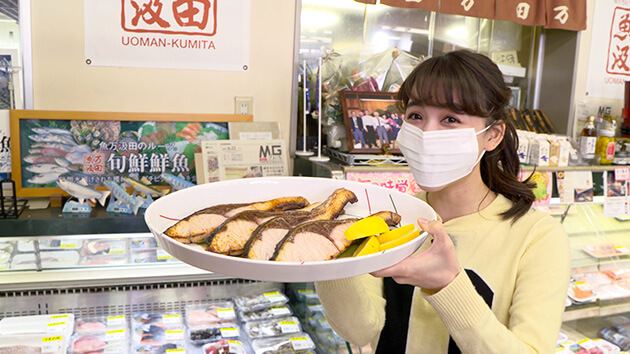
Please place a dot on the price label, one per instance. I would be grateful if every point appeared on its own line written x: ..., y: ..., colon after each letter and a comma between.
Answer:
x: 582, y: 285
x: 226, y: 314
x: 171, y: 318
x: 115, y: 320
x: 280, y: 311
x: 163, y: 255
x: 622, y: 173
x: 55, y: 327
x: 235, y: 346
x: 229, y: 332
x: 174, y: 335
x: 316, y: 308
x: 324, y: 323
x: 289, y: 327
x: 67, y: 244
x: 301, y: 343
x: 58, y: 316
x: 180, y: 350
x: 274, y: 296
x: 117, y: 248
x: 52, y: 344
x: 114, y: 335
x: 621, y: 249
x: 306, y: 291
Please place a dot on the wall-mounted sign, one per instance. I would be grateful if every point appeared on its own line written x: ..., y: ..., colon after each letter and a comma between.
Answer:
x: 172, y: 34
x: 94, y: 147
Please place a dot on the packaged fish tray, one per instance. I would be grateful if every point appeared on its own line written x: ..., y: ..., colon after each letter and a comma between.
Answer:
x: 210, y: 314
x: 143, y: 256
x: 34, y: 343
x: 52, y: 324
x: 156, y: 335
x: 104, y: 260
x: 164, y: 319
x: 161, y: 348
x: 308, y: 296
x: 97, y: 344
x: 225, y: 346
x: 266, y: 314
x: 294, y: 343
x: 265, y: 300
x: 271, y: 328
x: 318, y: 321
x: 107, y: 247
x: 49, y: 259
x: 142, y: 243
x: 205, y: 334
x: 84, y: 326
x: 50, y: 244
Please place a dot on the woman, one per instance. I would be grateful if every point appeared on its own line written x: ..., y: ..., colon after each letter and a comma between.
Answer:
x: 494, y: 277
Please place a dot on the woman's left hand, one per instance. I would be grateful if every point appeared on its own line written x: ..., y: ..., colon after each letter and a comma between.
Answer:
x: 432, y: 269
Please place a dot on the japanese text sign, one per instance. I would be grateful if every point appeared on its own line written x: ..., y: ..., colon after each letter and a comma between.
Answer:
x: 177, y: 34
x: 400, y: 181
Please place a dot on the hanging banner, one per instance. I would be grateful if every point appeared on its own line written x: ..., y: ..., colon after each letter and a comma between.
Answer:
x: 567, y: 14
x: 170, y: 34
x: 608, y: 64
x: 366, y: 1
x: 472, y: 8
x: 431, y: 5
x: 527, y: 13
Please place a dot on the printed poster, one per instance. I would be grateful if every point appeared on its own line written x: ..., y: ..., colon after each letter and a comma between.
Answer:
x: 95, y: 150
x: 5, y: 142
x: 609, y: 65
x: 575, y: 186
x: 234, y: 159
x: 169, y: 34
x: 616, y: 198
x: 400, y: 181
x: 544, y: 186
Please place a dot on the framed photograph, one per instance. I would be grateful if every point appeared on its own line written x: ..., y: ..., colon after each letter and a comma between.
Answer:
x: 372, y: 121
x: 92, y: 147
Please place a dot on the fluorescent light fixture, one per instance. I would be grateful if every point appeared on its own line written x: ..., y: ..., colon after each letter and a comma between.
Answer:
x: 459, y: 32
x: 318, y: 19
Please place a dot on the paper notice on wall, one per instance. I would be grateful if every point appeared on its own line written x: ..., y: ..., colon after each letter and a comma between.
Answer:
x: 616, y: 192
x: 175, y: 34
x: 5, y: 141
x: 575, y: 186
x: 233, y: 159
x: 609, y: 63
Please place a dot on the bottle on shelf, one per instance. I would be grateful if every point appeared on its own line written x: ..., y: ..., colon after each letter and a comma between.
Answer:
x: 605, y: 146
x: 588, y: 139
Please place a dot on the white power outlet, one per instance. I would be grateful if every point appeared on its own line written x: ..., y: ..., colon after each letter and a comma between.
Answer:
x: 243, y: 105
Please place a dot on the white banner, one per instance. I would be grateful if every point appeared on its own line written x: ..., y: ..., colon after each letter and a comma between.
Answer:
x: 171, y: 34
x: 609, y: 62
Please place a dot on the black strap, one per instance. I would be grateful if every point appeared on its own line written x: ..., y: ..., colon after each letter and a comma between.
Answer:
x: 393, y: 337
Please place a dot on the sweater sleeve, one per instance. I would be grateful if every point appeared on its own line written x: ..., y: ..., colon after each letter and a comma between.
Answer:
x: 537, y: 302
x: 354, y: 307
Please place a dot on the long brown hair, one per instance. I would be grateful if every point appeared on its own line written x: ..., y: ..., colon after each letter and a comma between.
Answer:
x: 470, y: 83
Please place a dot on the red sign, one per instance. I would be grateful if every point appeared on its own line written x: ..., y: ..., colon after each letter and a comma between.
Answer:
x: 189, y: 17
x: 617, y: 62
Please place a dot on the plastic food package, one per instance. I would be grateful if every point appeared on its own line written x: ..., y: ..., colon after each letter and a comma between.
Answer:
x: 98, y: 344
x: 50, y: 259
x: 105, y: 260
x: 205, y: 334
x: 6, y: 252
x: 306, y: 295
x: 49, y: 244
x: 295, y: 343
x: 274, y: 327
x: 34, y: 343
x: 210, y: 314
x: 270, y: 299
x: 46, y: 324
x: 265, y: 314
x: 99, y: 325
x: 225, y: 346
x: 108, y: 247
x: 156, y: 334
x: 143, y: 243
x: 175, y: 346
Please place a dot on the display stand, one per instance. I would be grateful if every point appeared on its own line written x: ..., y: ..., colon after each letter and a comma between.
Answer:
x: 116, y: 207
x: 74, y: 207
x: 9, y: 207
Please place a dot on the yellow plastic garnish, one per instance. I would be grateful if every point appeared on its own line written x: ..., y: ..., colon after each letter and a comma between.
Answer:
x: 372, y: 225
x: 401, y: 240
x: 395, y: 233
x: 368, y: 246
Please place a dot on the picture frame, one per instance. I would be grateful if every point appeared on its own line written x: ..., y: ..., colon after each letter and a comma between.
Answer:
x: 378, y: 133
x: 98, y: 146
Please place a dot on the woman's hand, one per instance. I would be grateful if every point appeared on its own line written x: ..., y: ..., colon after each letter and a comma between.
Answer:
x: 432, y: 269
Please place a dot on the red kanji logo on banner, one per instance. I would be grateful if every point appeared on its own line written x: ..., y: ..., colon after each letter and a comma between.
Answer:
x: 617, y: 61
x: 94, y: 163
x: 191, y: 17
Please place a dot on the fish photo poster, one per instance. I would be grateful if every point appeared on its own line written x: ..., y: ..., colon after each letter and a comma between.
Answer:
x: 130, y: 145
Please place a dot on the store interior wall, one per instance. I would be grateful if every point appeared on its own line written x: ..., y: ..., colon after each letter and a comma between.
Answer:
x: 63, y: 81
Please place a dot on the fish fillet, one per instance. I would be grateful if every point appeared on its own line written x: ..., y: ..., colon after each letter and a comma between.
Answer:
x: 262, y: 243
x: 193, y: 227
x: 320, y: 240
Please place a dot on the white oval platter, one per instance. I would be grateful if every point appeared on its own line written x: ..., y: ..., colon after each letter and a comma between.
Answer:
x: 162, y: 213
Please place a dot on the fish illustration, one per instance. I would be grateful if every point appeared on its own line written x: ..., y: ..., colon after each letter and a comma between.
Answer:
x: 39, y: 158
x: 176, y: 182
x: 44, y: 178
x: 143, y: 187
x: 46, y: 168
x: 122, y: 196
x: 51, y: 130
x: 82, y: 192
x: 52, y: 138
x: 53, y: 152
x: 51, y: 145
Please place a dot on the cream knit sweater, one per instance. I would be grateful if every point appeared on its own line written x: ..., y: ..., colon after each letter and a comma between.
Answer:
x: 525, y: 264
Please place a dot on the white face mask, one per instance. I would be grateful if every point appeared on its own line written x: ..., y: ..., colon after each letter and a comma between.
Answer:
x: 439, y: 157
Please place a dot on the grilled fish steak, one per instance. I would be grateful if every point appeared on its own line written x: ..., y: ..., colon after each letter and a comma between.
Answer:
x: 193, y: 227
x: 320, y: 240
x: 262, y: 242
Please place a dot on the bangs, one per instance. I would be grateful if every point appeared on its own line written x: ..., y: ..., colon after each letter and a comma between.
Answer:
x: 453, y: 82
